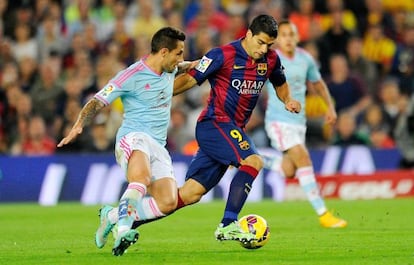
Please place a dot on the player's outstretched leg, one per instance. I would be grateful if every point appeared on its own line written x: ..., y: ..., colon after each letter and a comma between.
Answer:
x: 233, y: 232
x: 328, y: 220
x: 123, y: 241
x: 105, y: 226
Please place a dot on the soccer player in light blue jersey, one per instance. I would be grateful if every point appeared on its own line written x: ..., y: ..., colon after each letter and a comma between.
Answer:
x: 145, y: 89
x: 287, y: 131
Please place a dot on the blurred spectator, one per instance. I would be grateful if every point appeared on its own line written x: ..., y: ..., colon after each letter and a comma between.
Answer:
x: 200, y: 42
x: 404, y: 135
x: 235, y: 7
x: 378, y: 48
x: 334, y: 40
x: 19, y: 130
x: 46, y: 92
x: 27, y: 73
x: 346, y: 89
x: 276, y: 8
x: 77, y: 13
x: 396, y: 5
x: 400, y: 18
x: 6, y: 53
x: 347, y: 17
x: 237, y: 27
x: 100, y: 141
x: 3, y: 8
x: 403, y: 62
x: 148, y: 21
x: 77, y: 43
x: 178, y: 135
x: 318, y: 132
x: 38, y: 142
x: 92, y: 43
x: 49, y: 39
x: 103, y: 16
x: 23, y: 14
x: 377, y: 15
x: 376, y: 127
x: 71, y: 111
x: 122, y: 42
x: 390, y: 99
x: 360, y: 66
x: 306, y: 20
x: 13, y: 93
x: 346, y: 133
x: 9, y: 75
x: 209, y: 16
x: 24, y: 45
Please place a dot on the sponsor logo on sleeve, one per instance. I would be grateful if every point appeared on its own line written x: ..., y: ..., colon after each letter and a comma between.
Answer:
x: 203, y: 64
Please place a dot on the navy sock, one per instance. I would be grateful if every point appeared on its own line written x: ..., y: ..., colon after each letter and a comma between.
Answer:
x: 239, y: 190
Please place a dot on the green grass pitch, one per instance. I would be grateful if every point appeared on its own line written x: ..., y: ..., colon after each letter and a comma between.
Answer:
x: 379, y: 232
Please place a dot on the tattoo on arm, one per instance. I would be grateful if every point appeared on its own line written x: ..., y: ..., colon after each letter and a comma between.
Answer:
x: 89, y: 111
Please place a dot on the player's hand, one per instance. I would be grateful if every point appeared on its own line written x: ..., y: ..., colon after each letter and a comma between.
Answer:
x: 74, y: 132
x: 187, y: 65
x: 293, y: 106
x: 330, y: 116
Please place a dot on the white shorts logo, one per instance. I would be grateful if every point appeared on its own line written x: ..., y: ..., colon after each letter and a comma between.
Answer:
x: 203, y: 64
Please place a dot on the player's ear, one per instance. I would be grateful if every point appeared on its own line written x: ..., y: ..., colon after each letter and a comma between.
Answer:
x: 249, y: 34
x: 164, y: 52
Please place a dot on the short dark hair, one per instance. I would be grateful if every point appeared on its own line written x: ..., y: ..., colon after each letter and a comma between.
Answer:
x: 166, y: 37
x: 264, y: 23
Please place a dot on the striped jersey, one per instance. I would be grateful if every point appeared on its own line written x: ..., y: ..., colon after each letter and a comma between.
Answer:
x: 236, y: 81
x: 299, y: 69
x: 146, y: 98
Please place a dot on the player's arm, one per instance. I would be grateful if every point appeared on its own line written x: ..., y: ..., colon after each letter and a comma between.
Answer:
x: 283, y: 93
x: 322, y: 89
x: 186, y: 66
x: 183, y: 82
x: 88, y: 112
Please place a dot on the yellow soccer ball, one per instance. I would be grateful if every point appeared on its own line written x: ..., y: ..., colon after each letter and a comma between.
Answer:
x: 256, y: 225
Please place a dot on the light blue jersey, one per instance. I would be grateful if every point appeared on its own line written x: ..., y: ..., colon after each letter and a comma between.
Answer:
x: 298, y: 70
x: 146, y: 98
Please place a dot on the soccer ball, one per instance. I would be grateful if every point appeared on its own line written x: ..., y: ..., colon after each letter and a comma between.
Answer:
x: 257, y: 225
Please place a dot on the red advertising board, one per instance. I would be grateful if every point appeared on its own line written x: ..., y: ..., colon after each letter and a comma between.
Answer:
x: 379, y: 185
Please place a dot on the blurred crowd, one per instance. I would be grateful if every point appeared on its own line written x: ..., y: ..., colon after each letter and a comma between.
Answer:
x: 54, y: 55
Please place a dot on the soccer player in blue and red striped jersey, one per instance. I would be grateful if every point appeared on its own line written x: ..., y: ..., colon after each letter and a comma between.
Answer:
x: 237, y: 73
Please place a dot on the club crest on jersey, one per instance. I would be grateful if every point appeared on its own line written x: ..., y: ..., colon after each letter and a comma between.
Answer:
x: 244, y: 145
x: 203, y: 64
x: 261, y: 68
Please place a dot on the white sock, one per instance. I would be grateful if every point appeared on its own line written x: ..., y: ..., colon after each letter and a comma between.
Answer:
x: 147, y: 209
x: 307, y: 181
x: 128, y: 205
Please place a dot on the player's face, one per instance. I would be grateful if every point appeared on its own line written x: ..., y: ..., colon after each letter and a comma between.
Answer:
x: 174, y: 57
x: 287, y: 38
x: 258, y: 45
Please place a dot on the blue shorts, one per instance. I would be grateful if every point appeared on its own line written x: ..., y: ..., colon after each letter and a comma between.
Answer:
x: 221, y: 144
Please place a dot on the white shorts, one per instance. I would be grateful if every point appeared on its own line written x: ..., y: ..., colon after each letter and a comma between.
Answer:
x: 284, y: 136
x: 160, y: 160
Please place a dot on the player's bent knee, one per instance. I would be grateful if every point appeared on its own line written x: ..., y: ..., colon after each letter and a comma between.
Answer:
x: 255, y: 161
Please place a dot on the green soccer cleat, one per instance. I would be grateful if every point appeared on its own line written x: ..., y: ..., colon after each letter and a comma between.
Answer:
x: 124, y: 241
x: 105, y: 227
x: 233, y: 232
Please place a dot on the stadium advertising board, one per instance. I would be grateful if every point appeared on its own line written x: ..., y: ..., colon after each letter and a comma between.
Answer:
x: 353, y: 173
